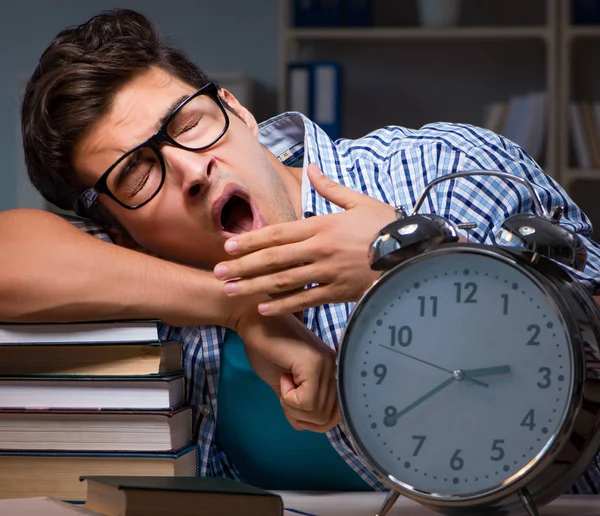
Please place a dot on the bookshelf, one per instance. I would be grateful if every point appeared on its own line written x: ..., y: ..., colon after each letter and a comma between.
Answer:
x: 579, y: 82
x: 498, y: 49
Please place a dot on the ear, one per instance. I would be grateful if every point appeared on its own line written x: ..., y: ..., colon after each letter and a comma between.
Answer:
x: 240, y: 110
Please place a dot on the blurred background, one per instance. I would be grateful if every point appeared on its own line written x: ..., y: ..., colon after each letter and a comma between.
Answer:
x: 528, y: 70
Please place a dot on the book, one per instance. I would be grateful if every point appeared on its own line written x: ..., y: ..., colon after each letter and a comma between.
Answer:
x: 92, y: 392
x: 181, y: 496
x: 80, y: 332
x: 31, y: 474
x: 95, y: 430
x: 42, y: 506
x: 91, y: 359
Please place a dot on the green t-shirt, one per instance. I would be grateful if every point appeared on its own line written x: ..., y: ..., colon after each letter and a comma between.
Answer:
x: 256, y: 436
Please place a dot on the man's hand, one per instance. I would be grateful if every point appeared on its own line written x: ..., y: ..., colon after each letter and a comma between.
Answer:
x: 298, y: 366
x: 331, y: 250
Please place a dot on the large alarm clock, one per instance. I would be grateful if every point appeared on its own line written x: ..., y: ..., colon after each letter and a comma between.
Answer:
x: 466, y: 372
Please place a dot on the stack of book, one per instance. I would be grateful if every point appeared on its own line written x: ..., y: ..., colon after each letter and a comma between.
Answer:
x: 85, y: 399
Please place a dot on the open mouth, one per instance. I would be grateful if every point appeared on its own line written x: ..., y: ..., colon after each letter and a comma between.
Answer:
x: 237, y: 216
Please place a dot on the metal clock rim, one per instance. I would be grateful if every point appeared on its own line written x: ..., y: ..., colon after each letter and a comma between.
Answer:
x: 544, y: 457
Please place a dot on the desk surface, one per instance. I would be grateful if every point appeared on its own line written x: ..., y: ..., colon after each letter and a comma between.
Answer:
x: 367, y: 504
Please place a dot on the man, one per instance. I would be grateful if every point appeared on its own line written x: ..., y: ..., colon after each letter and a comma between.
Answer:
x: 137, y: 139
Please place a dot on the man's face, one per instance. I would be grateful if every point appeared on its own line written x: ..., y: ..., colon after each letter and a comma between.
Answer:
x: 232, y: 187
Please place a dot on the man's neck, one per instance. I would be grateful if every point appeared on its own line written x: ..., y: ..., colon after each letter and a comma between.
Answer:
x: 292, y: 179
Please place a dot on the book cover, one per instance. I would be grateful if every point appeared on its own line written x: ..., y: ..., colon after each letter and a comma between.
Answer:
x: 129, y: 359
x: 80, y: 332
x: 93, y: 392
x: 184, y: 496
x: 95, y: 430
x: 56, y: 474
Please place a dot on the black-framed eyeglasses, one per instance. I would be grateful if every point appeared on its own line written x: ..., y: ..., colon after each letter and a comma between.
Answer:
x: 136, y: 177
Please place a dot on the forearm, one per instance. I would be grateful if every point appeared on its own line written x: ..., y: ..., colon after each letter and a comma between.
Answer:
x: 52, y: 271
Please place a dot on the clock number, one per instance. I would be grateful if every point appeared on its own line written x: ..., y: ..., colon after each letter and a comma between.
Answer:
x: 546, y: 372
x: 497, y: 450
x: 434, y: 303
x: 421, y: 439
x: 529, y: 420
x: 390, y: 416
x: 535, y: 329
x: 457, y: 462
x: 380, y: 371
x: 404, y: 336
x: 505, y: 304
x: 470, y: 289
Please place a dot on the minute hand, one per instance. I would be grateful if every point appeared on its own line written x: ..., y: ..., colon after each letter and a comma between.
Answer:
x: 483, y: 384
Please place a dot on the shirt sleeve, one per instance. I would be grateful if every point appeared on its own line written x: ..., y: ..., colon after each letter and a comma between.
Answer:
x: 488, y: 201
x: 89, y: 226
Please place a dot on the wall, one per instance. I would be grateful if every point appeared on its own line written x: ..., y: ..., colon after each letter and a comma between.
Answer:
x: 222, y: 36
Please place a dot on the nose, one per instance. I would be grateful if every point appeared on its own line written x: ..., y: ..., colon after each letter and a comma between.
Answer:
x: 189, y: 169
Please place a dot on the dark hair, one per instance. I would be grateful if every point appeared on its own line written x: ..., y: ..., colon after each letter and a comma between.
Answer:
x: 75, y: 83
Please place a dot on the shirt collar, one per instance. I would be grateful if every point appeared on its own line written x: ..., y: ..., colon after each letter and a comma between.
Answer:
x: 291, y: 134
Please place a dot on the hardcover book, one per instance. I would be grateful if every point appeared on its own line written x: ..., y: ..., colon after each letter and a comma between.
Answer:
x: 181, y: 496
x: 30, y: 474
x: 142, y: 330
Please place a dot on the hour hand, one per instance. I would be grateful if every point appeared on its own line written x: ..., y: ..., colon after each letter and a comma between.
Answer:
x: 486, y: 371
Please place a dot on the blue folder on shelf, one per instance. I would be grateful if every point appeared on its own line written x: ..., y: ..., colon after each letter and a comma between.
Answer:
x: 315, y: 91
x: 318, y: 13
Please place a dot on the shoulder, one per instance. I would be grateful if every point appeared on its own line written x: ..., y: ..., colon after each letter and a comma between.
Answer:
x: 389, y: 141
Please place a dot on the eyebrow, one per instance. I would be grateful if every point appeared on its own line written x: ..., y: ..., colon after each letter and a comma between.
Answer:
x: 174, y: 105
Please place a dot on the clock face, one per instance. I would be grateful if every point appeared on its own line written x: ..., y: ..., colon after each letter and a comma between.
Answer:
x: 455, y: 373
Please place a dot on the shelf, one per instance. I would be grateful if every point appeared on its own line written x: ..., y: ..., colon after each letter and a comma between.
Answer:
x: 589, y: 31
x: 418, y: 33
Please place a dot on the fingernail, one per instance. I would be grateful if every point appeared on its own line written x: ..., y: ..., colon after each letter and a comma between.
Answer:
x: 231, y: 246
x: 220, y: 271
x: 230, y: 287
x: 263, y: 308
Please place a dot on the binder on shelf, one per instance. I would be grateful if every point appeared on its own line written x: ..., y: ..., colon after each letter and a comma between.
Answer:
x: 299, y: 89
x: 315, y: 91
x: 327, y: 102
x: 585, y: 12
x: 317, y: 13
x: 329, y: 12
x: 358, y: 13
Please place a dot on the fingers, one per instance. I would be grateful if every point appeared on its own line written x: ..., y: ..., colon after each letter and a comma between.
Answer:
x: 299, y: 424
x: 320, y: 418
x: 271, y: 236
x: 335, y: 192
x: 265, y: 260
x: 336, y: 417
x: 297, y: 301
x: 283, y: 282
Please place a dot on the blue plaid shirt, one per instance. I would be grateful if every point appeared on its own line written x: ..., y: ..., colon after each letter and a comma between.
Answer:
x: 392, y: 164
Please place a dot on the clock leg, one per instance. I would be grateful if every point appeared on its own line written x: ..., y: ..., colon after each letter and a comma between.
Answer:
x: 528, y: 502
x: 389, y: 501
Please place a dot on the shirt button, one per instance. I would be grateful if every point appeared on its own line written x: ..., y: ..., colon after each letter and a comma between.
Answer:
x: 205, y: 410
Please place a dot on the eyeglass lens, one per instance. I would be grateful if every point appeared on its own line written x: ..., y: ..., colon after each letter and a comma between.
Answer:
x: 138, y: 175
